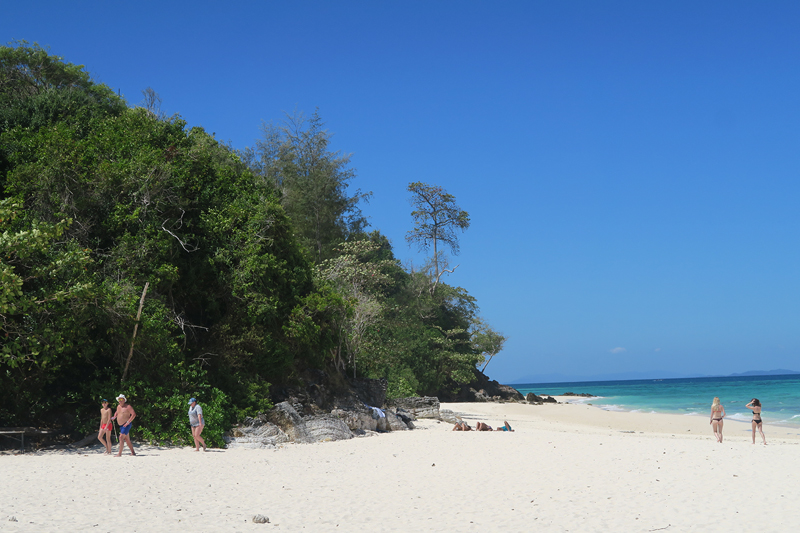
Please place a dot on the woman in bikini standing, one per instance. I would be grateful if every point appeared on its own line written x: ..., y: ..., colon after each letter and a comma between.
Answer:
x: 717, y: 414
x: 755, y: 406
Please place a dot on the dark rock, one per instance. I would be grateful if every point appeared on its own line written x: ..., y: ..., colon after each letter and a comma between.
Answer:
x: 317, y: 392
x: 419, y: 406
x: 481, y: 389
x: 582, y: 394
x: 370, y: 391
x: 532, y: 398
x: 403, y: 414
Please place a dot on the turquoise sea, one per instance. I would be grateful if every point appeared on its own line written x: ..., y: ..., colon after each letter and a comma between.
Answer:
x: 779, y: 396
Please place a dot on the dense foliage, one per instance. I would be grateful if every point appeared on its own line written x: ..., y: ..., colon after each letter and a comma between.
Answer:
x: 256, y: 264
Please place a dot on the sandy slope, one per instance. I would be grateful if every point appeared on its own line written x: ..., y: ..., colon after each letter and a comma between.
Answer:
x: 565, y: 468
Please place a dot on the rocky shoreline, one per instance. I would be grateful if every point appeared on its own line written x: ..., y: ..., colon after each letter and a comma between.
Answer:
x: 328, y: 408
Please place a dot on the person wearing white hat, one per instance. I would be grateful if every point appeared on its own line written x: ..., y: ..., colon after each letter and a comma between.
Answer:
x: 198, y: 423
x: 124, y: 417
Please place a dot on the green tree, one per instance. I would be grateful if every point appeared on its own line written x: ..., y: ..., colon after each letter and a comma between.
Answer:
x: 295, y: 157
x: 486, y: 341
x: 38, y: 89
x: 359, y: 280
x: 436, y: 219
x: 45, y: 315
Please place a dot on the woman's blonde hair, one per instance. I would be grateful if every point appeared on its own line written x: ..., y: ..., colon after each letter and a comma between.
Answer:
x: 715, y: 402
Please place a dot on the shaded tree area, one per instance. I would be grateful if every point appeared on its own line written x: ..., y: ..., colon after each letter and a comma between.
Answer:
x: 258, y: 264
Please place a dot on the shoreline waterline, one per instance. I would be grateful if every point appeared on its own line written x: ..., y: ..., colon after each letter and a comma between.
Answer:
x: 780, y: 396
x: 736, y: 417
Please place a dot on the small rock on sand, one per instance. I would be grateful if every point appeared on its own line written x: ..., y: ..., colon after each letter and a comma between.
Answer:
x: 260, y: 519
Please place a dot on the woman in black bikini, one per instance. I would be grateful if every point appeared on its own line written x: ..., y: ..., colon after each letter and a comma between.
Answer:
x: 717, y: 414
x: 755, y: 406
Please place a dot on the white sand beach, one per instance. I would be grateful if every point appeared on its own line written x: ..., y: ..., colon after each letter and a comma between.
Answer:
x: 566, y: 468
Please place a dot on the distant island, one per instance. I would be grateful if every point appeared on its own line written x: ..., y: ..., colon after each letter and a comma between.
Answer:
x: 628, y: 376
x: 776, y: 372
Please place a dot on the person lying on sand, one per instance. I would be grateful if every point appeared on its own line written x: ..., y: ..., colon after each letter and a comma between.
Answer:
x: 486, y: 427
x: 480, y: 426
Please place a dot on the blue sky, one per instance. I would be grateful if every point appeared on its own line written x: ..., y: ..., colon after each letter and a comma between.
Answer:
x: 630, y: 167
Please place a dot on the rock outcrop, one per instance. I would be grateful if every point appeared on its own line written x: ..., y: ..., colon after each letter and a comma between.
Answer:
x: 320, y: 406
x: 256, y: 433
x: 446, y: 415
x: 482, y: 389
x: 283, y: 423
x: 419, y: 406
x: 532, y: 398
x: 326, y: 428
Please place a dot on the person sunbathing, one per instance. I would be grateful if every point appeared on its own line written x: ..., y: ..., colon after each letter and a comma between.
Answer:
x: 486, y: 427
x: 462, y: 426
x: 505, y: 427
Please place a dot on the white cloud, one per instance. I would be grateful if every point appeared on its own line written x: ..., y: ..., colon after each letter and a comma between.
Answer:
x: 618, y: 349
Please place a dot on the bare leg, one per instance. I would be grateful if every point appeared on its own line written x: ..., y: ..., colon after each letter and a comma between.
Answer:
x: 105, y: 438
x: 720, y: 431
x: 122, y: 440
x: 198, y: 440
x: 760, y: 430
x: 754, y: 431
x: 199, y: 437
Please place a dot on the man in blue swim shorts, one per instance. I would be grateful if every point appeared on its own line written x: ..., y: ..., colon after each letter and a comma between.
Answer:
x: 124, y: 417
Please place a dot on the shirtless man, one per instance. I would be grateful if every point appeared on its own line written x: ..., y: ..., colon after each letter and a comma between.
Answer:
x: 105, y: 427
x: 124, y: 417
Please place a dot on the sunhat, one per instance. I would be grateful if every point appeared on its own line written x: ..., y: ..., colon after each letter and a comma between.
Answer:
x: 122, y: 396
x: 192, y: 400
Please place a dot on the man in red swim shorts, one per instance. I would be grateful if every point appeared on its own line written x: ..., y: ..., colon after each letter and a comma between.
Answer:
x: 105, y: 427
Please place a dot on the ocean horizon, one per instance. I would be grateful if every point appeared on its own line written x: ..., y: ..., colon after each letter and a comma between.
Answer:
x: 778, y: 394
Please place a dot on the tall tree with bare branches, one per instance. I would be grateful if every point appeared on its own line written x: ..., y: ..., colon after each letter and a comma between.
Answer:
x: 436, y: 219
